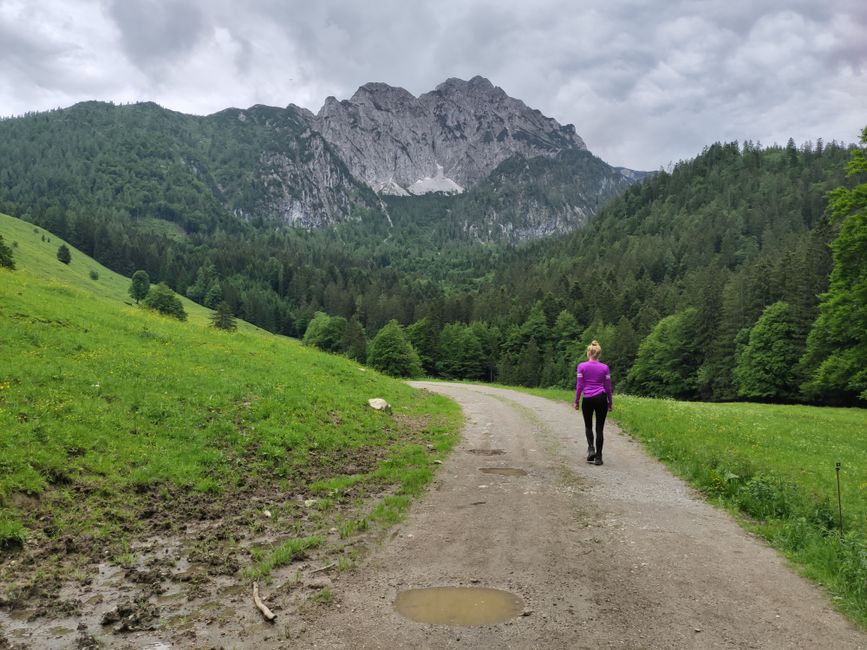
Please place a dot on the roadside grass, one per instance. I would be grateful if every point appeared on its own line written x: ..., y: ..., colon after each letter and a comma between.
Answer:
x: 773, y: 467
x: 282, y: 555
x: 107, y: 408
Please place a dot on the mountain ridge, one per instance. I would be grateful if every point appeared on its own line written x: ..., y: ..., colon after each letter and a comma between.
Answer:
x: 289, y: 166
x: 460, y: 131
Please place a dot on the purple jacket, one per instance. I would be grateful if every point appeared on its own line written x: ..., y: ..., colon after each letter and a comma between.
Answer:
x: 594, y: 378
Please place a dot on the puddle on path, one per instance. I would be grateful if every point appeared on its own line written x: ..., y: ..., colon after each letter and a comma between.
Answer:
x: 233, y: 590
x: 503, y: 471
x: 60, y: 631
x: 459, y: 606
x: 170, y: 598
x: 486, y: 452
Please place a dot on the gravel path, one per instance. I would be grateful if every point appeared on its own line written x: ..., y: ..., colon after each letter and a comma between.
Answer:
x: 618, y: 556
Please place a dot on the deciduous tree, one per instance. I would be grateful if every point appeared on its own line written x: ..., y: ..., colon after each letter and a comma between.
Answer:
x: 667, y: 358
x: 837, y: 345
x: 766, y: 366
x: 162, y: 299
x: 392, y: 354
x: 325, y: 332
x: 141, y: 284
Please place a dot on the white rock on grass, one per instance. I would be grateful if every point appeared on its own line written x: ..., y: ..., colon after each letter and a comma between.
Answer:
x: 379, y: 404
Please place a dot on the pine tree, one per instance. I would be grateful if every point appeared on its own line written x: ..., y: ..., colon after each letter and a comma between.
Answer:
x: 206, y: 289
x: 354, y: 342
x: 450, y: 362
x: 223, y: 318
x: 565, y: 331
x: 6, y: 258
x: 424, y: 336
x: 63, y: 254
x: 529, y: 368
x: 536, y: 325
x: 489, y: 338
x: 461, y: 353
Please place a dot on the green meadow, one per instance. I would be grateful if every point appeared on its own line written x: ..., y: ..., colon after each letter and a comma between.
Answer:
x: 773, y: 466
x: 107, y: 409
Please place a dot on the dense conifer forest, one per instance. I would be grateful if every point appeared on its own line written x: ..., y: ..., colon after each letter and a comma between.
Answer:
x: 702, y: 282
x: 676, y: 275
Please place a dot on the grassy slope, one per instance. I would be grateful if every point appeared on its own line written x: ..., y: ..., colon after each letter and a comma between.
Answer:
x: 773, y: 466
x: 104, y: 405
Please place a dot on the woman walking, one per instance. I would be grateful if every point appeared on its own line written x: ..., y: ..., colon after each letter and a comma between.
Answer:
x: 594, y: 381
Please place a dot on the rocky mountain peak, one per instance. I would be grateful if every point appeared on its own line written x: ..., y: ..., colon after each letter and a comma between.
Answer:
x: 444, y: 140
x: 381, y: 91
x: 478, y: 85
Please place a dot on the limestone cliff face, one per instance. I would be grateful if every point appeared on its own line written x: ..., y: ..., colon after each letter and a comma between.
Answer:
x: 311, y: 190
x: 519, y: 174
x: 446, y: 140
x: 293, y: 174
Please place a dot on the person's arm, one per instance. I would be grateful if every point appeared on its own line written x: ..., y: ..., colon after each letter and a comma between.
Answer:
x: 608, y: 389
x: 579, y: 384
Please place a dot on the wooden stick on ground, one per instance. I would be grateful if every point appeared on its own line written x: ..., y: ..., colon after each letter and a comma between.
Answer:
x: 267, y: 613
x: 325, y: 568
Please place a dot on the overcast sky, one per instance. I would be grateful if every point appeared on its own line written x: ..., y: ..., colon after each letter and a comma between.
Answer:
x: 645, y: 83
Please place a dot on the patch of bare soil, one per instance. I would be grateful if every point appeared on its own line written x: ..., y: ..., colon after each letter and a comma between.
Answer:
x: 178, y: 579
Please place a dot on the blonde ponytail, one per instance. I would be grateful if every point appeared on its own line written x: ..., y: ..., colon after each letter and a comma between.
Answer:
x: 594, y: 350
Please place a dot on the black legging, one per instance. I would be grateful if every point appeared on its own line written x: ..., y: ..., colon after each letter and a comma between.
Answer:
x: 589, y: 405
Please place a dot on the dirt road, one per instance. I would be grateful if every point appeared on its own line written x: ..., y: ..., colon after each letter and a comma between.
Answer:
x: 618, y: 556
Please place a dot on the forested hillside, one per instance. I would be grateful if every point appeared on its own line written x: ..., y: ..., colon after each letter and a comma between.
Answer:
x: 687, y: 279
x: 702, y: 283
x: 692, y: 279
x: 199, y: 202
x: 142, y: 161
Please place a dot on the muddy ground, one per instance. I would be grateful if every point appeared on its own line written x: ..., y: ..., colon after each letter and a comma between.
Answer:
x: 618, y: 556
x: 181, y: 586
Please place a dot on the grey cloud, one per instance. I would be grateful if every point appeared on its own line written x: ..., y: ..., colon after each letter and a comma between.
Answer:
x: 40, y: 69
x: 28, y: 54
x: 349, y: 43
x: 244, y: 59
x: 154, y: 31
x: 644, y: 83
